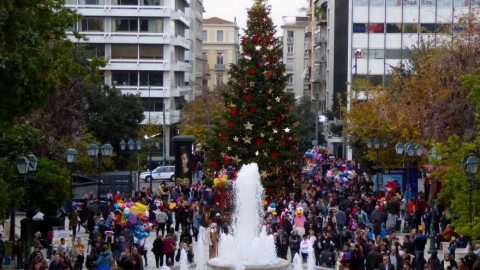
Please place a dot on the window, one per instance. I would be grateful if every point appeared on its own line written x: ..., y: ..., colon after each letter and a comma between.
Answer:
x: 376, y: 28
x: 91, y: 24
x: 95, y: 49
x: 151, y: 51
x: 377, y: 3
x: 180, y: 5
x: 153, y: 104
x: 219, y: 35
x: 444, y: 3
x: 124, y: 51
x: 125, y: 2
x: 393, y: 54
x: 179, y: 54
x: 153, y: 78
x: 219, y: 81
x: 125, y: 25
x: 360, y: 27
x: 91, y: 2
x: 289, y: 65
x: 290, y: 34
x: 179, y: 29
x: 394, y: 27
x: 151, y: 25
x: 410, y: 28
x: 179, y: 79
x: 360, y: 3
x: 219, y: 58
x: 205, y: 35
x: 290, y: 80
x: 461, y: 3
x: 427, y: 28
x: 151, y: 2
x: 290, y: 49
x: 205, y: 55
x: 125, y: 78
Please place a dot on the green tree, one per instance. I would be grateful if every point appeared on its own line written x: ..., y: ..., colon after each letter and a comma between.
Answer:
x: 50, y: 186
x: 32, y: 54
x: 303, y: 111
x: 111, y: 116
x: 259, y: 127
x: 196, y: 113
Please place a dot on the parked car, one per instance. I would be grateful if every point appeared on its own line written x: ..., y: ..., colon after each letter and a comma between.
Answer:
x: 159, y: 173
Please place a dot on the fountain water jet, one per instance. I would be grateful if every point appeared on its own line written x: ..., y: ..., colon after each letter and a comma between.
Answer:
x: 249, y: 247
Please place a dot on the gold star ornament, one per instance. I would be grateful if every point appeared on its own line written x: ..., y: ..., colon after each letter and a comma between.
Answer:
x: 235, y: 139
x: 248, y: 126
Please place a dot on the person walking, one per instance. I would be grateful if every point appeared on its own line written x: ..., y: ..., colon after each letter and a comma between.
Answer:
x: 157, y: 250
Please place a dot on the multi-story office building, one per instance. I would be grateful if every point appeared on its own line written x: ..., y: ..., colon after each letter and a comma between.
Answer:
x: 295, y: 57
x: 220, y: 49
x: 382, y: 32
x: 197, y: 46
x: 147, y: 45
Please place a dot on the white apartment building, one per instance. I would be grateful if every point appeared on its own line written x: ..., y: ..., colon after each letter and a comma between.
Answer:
x: 385, y: 30
x: 148, y: 47
x: 295, y: 57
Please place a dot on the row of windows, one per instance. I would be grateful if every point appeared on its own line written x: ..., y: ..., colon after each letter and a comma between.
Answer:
x: 117, y: 2
x: 415, y: 3
x: 137, y: 51
x: 412, y: 28
x: 381, y: 53
x: 137, y: 78
x: 146, y: 25
x: 219, y: 35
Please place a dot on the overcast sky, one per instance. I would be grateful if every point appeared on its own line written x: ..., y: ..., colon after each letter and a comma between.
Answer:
x: 229, y: 9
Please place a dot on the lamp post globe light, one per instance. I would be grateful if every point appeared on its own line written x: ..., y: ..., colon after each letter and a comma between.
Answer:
x: 97, y: 153
x: 410, y: 151
x: 70, y: 157
x: 470, y: 166
x: 132, y: 146
x: 24, y: 166
x: 376, y: 144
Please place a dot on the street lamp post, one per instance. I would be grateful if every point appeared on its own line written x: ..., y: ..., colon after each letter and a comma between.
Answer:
x: 376, y: 143
x: 133, y: 147
x: 24, y: 166
x: 470, y: 166
x: 432, y: 155
x: 70, y: 156
x: 410, y: 150
x: 98, y: 153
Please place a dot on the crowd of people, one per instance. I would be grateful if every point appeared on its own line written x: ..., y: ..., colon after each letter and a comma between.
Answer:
x: 349, y: 225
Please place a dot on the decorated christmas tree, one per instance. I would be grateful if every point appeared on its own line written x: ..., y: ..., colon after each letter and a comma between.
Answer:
x: 258, y: 126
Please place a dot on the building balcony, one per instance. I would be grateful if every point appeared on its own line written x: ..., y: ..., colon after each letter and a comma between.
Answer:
x: 181, y: 66
x: 137, y: 64
x: 156, y: 118
x: 290, y: 54
x: 219, y: 67
x: 320, y: 58
x: 124, y: 37
x: 290, y: 40
x: 154, y: 91
x: 99, y: 8
x: 180, y: 16
x: 181, y: 41
x: 319, y: 38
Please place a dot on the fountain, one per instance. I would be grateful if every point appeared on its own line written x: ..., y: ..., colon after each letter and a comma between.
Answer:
x: 250, y: 247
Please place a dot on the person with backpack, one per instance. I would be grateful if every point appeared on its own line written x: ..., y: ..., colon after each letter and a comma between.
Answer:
x: 345, y: 258
x: 362, y: 219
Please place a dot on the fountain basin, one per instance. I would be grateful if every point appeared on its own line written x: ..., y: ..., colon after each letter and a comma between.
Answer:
x: 214, y: 264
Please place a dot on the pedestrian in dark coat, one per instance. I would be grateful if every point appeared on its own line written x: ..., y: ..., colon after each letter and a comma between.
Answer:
x: 157, y: 250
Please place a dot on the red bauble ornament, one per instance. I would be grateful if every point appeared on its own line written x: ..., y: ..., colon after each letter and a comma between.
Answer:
x: 264, y: 99
x: 279, y: 180
x: 256, y: 38
x: 230, y: 124
x: 264, y: 16
x: 260, y: 64
x: 259, y: 142
x: 270, y: 72
x: 252, y: 109
x: 248, y: 97
x: 267, y: 40
x: 244, y: 113
x: 233, y: 112
x: 244, y: 42
x: 278, y: 58
x: 214, y: 163
x: 247, y: 54
x: 287, y: 108
x: 286, y: 138
x: 252, y: 71
x: 274, y: 155
x: 227, y: 159
x: 223, y: 136
x: 248, y: 12
x: 284, y: 71
x: 231, y: 69
x: 271, y: 34
x: 279, y: 118
x: 270, y: 60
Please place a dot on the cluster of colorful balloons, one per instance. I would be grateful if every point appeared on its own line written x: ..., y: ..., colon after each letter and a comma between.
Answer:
x: 134, y: 216
x: 341, y: 176
x: 314, y: 156
x: 225, y: 178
